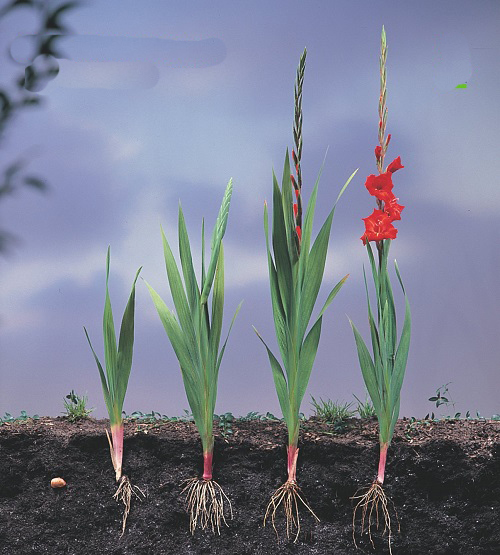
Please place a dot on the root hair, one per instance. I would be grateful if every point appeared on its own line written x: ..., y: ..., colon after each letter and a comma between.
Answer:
x: 287, y: 495
x: 369, y: 503
x: 205, y: 501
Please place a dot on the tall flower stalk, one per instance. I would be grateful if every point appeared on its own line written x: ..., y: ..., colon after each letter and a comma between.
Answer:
x: 384, y: 370
x: 195, y: 334
x: 114, y: 381
x: 295, y: 273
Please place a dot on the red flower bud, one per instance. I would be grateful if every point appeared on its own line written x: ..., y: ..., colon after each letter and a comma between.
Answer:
x: 395, y: 165
x: 294, y: 183
x: 297, y: 194
x: 378, y: 152
x: 299, y: 232
x: 295, y: 210
x: 388, y: 140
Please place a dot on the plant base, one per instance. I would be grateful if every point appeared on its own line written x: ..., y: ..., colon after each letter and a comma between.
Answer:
x: 124, y: 494
x: 205, y: 504
x: 372, y: 501
x: 287, y: 495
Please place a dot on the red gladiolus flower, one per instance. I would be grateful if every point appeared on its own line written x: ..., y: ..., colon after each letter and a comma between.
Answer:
x: 380, y: 186
x: 378, y: 226
x: 395, y: 165
x: 378, y: 152
x: 393, y: 209
x: 299, y: 233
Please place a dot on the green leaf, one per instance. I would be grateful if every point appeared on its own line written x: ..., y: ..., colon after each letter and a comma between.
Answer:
x: 313, y: 275
x: 126, y: 347
x: 403, y: 347
x: 307, y: 357
x: 287, y: 205
x: 174, y: 331
x: 217, y: 312
x: 280, y: 385
x: 217, y: 235
x: 118, y: 361
x: 368, y: 370
x: 180, y: 302
x: 277, y: 305
x: 281, y: 254
x: 193, y: 292
x: 110, y: 349
x: 333, y: 294
x: 105, y: 390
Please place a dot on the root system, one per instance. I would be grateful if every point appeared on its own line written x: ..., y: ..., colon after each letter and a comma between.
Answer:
x: 206, y: 504
x: 369, y: 503
x: 287, y: 495
x: 124, y: 494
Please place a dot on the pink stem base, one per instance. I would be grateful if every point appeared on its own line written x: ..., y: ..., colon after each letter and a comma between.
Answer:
x: 293, y: 453
x: 381, y: 463
x: 117, y: 453
x: 207, y: 466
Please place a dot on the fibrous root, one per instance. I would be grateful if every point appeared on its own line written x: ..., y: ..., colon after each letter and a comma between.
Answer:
x: 369, y: 503
x: 124, y: 494
x: 206, y: 504
x: 287, y: 495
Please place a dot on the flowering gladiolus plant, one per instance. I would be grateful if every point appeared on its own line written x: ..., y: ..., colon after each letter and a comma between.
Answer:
x: 295, y: 274
x: 114, y: 385
x: 383, y: 372
x: 195, y: 337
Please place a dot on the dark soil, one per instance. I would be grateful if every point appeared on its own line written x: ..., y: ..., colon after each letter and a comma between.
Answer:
x: 443, y: 477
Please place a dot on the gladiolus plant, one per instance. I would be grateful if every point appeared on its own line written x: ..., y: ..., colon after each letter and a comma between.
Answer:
x: 295, y: 274
x: 114, y: 383
x: 383, y: 372
x: 195, y: 337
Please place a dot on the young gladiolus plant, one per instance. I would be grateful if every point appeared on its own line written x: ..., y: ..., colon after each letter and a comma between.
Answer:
x: 384, y: 372
x: 114, y: 386
x: 195, y: 337
x: 295, y: 274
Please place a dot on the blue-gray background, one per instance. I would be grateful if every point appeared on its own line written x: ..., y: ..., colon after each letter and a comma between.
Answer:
x: 165, y: 100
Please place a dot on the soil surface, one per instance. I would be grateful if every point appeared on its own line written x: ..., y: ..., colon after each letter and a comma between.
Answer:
x: 443, y: 478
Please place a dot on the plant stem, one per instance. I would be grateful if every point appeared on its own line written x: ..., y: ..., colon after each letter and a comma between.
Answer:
x: 207, y: 465
x: 293, y: 453
x: 117, y: 450
x: 381, y: 463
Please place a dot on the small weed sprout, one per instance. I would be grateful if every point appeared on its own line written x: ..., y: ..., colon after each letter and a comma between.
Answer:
x: 333, y: 412
x: 365, y: 409
x: 7, y: 418
x: 76, y: 407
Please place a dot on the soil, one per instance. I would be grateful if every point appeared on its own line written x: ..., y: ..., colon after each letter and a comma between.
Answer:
x: 443, y: 478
